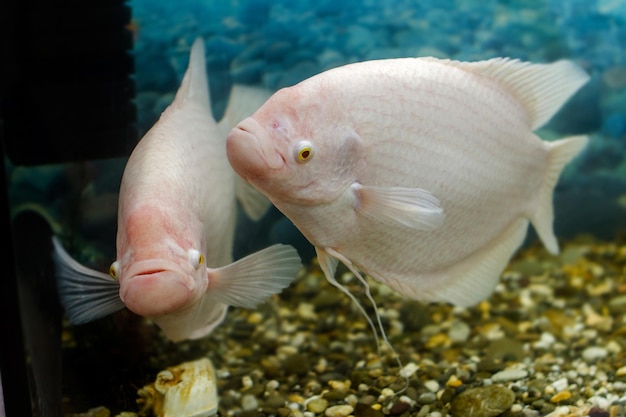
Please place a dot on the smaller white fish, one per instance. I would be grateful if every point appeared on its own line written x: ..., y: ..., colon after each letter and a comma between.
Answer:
x: 176, y: 225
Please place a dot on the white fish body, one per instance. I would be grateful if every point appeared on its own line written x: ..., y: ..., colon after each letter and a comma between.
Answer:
x: 176, y: 224
x: 422, y: 173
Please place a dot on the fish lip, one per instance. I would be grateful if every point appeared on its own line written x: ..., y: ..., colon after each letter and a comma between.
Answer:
x: 153, y: 266
x: 154, y: 287
x: 251, y: 134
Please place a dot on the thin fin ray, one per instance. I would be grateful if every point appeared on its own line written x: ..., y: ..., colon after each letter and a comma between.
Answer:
x: 561, y: 152
x: 411, y: 207
x: 542, y: 88
x: 468, y: 281
x: 85, y: 294
x: 254, y: 278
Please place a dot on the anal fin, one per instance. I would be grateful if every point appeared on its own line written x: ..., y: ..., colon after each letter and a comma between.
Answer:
x: 471, y: 280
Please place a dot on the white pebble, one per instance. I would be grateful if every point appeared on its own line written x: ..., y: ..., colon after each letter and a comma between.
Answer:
x: 459, y: 332
x: 594, y: 353
x: 409, y: 370
x: 306, y: 311
x: 249, y: 402
x: 545, y: 341
x: 339, y: 411
x: 516, y: 408
x: 222, y: 373
x: 509, y: 375
x: 246, y: 382
x: 387, y: 392
x: 432, y: 385
x: 271, y: 387
x: 613, y: 347
x: 560, y: 384
x: 560, y: 412
x: 351, y: 399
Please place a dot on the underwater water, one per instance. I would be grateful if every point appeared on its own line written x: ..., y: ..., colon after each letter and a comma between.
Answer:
x: 552, y: 337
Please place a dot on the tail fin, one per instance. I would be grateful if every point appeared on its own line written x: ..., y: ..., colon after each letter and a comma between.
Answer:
x: 561, y: 152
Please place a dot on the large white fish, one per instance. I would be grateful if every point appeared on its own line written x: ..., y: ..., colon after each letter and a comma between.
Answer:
x: 176, y: 223
x: 423, y: 173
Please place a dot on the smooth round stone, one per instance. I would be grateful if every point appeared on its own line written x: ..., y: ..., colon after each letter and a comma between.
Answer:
x: 459, y: 332
x: 487, y: 401
x: 317, y: 405
x: 594, y: 353
x: 427, y: 398
x: 249, y: 402
x: 509, y: 375
x: 339, y: 411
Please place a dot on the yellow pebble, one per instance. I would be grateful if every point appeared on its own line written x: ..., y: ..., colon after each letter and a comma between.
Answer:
x: 377, y: 406
x: 339, y: 385
x: 255, y: 318
x: 438, y: 340
x: 561, y: 396
x: 454, y: 382
x: 295, y: 398
x: 485, y: 309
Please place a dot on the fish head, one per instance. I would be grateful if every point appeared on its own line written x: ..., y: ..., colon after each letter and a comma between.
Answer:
x: 295, y: 148
x: 161, y: 267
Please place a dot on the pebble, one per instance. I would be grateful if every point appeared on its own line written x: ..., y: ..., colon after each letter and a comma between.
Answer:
x: 431, y: 385
x: 317, y: 405
x: 560, y: 384
x: 487, y: 401
x: 339, y: 411
x: 459, y: 331
x: 427, y: 398
x: 399, y: 408
x: 409, y: 370
x: 364, y: 410
x: 249, y: 402
x: 509, y: 375
x: 594, y: 353
x: 561, y: 396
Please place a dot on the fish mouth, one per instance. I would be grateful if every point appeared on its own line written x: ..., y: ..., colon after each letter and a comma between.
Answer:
x: 153, y: 288
x: 250, y: 149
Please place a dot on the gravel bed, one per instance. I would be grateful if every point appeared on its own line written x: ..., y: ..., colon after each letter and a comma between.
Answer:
x: 549, y: 342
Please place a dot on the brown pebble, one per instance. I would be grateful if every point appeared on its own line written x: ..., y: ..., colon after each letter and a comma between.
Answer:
x: 598, y: 412
x: 297, y: 364
x: 364, y: 410
x: 399, y: 408
x: 283, y: 412
x: 488, y: 401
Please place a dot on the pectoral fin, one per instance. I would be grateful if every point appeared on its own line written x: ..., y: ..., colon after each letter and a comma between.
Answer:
x: 251, y: 280
x: 86, y: 294
x: 411, y: 207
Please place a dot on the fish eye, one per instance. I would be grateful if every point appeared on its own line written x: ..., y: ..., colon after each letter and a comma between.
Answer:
x: 304, y: 151
x: 114, y: 270
x: 196, y: 258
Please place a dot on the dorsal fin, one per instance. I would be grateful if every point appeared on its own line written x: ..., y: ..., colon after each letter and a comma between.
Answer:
x: 542, y: 88
x: 195, y: 84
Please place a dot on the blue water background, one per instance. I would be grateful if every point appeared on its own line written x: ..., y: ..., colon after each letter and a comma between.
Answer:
x: 279, y: 43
